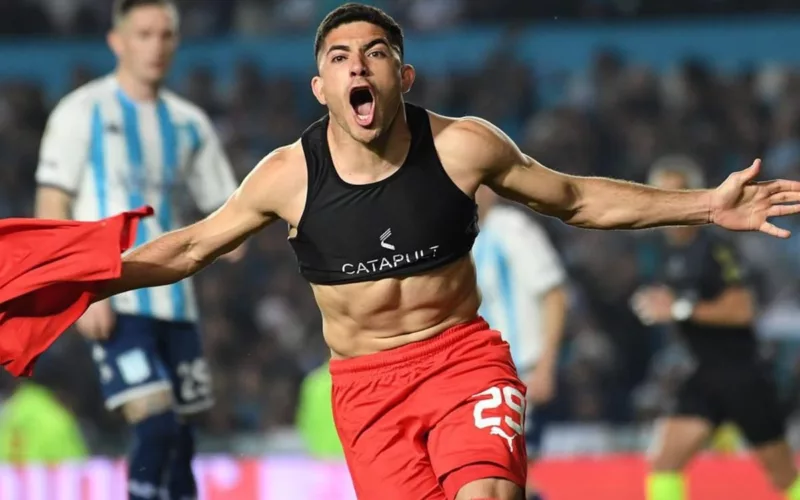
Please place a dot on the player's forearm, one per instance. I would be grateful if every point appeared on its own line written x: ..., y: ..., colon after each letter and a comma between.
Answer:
x: 555, y: 313
x: 613, y: 204
x: 163, y: 261
x: 734, y: 308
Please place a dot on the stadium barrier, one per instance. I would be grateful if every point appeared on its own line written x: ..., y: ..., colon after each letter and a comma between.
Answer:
x: 618, y: 477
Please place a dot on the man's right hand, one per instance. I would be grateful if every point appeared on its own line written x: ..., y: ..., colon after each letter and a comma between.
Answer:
x: 98, y: 321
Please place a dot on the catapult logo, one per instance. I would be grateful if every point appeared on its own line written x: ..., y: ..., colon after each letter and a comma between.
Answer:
x: 391, y: 261
x: 385, y: 236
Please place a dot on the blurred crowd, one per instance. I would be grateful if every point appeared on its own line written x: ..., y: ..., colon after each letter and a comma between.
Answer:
x: 260, y: 324
x: 259, y: 17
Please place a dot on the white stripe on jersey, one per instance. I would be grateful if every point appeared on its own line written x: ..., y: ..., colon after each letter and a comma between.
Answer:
x: 115, y: 154
x: 516, y: 266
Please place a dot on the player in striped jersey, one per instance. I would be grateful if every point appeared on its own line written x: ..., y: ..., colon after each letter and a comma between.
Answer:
x: 112, y: 145
x: 522, y: 287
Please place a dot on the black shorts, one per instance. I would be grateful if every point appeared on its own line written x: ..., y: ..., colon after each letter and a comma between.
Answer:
x: 536, y: 421
x: 745, y: 395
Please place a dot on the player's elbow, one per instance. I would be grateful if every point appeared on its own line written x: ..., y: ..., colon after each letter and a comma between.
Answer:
x: 591, y: 214
x: 204, y: 244
x: 196, y: 257
x: 568, y: 205
x: 738, y: 318
x: 197, y: 252
x: 555, y: 300
x: 744, y: 312
x: 195, y: 260
x: 580, y: 206
x: 595, y: 205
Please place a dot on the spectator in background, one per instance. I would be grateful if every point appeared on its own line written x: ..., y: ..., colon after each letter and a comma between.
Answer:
x: 160, y: 148
x: 36, y: 422
x: 598, y: 132
x: 521, y: 280
x: 703, y: 291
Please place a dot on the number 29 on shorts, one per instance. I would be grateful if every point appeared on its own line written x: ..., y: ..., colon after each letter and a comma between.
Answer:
x: 509, y: 396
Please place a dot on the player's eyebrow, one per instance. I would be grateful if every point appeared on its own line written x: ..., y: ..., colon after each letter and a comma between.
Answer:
x: 337, y: 47
x: 366, y: 46
x: 377, y: 41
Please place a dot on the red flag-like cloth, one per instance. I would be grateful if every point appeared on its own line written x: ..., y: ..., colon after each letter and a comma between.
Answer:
x: 49, y: 270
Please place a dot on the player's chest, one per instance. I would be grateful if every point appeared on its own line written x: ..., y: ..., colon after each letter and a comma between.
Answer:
x: 148, y: 152
x: 389, y: 222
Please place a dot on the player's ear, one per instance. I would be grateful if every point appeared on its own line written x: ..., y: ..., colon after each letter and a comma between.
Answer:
x: 407, y: 76
x: 316, y: 88
x: 114, y: 42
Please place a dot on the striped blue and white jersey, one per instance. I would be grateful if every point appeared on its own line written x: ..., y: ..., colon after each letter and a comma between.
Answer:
x: 516, y: 267
x: 115, y: 154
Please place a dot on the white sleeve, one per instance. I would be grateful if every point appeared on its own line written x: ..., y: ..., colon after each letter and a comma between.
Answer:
x: 211, y: 181
x: 538, y: 264
x: 64, y: 149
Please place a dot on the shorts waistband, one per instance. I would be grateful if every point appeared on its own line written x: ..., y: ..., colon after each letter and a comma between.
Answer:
x: 414, y: 350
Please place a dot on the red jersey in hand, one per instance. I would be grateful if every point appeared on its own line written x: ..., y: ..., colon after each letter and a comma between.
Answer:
x: 49, y: 270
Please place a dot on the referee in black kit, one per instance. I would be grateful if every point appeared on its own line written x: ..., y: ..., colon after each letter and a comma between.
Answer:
x: 703, y: 290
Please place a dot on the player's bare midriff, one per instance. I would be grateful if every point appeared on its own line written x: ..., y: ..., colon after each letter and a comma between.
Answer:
x: 369, y: 317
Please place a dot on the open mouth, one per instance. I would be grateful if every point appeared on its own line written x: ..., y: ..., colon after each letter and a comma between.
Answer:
x: 363, y: 103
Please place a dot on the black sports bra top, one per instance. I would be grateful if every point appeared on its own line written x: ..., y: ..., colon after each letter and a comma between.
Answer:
x: 413, y: 221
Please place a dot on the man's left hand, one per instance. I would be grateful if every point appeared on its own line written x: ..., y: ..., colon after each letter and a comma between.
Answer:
x: 742, y: 204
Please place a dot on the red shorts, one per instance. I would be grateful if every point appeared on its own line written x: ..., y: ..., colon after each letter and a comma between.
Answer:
x: 423, y: 420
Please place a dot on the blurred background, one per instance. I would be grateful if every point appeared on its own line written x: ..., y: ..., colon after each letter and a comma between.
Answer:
x: 600, y: 87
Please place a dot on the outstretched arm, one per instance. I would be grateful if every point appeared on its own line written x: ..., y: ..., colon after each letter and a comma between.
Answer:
x: 599, y: 203
x: 739, y: 204
x: 182, y: 253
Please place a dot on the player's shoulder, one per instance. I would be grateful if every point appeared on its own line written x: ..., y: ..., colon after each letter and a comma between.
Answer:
x: 281, y: 173
x: 472, y: 142
x: 84, y: 98
x: 464, y: 128
x: 281, y: 165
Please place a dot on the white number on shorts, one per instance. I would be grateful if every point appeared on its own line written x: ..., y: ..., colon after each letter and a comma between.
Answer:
x: 195, y: 379
x: 513, y: 399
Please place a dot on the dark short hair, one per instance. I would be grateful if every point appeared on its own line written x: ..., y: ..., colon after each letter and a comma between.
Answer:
x: 357, y: 12
x: 123, y: 7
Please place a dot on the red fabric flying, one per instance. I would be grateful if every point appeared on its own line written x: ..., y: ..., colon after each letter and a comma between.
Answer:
x: 49, y: 270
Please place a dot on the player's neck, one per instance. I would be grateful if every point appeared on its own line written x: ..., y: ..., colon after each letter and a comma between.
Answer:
x: 136, y: 89
x: 391, y: 148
